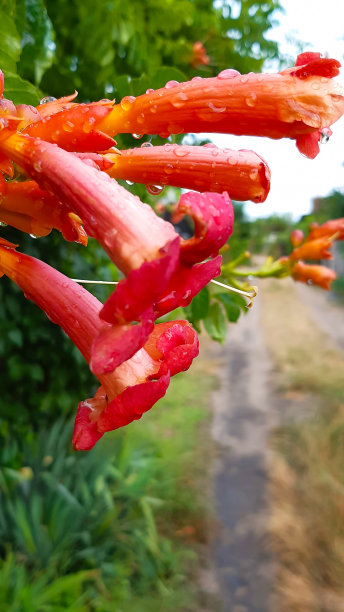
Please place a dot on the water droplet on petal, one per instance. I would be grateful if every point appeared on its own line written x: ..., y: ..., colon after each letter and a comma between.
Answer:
x: 68, y: 126
x: 154, y: 189
x: 37, y: 166
x: 181, y: 151
x: 179, y: 100
x: 154, y: 108
x: 47, y: 99
x: 325, y: 135
x: 129, y: 182
x: 137, y: 136
x: 216, y: 109
x: 228, y: 74
x: 148, y: 91
x: 146, y: 144
x: 169, y: 168
x: 2, y: 224
x: 197, y: 78
x: 171, y: 84
x: 253, y: 174
x: 127, y: 102
x: 251, y: 99
x: 244, y: 78
x: 140, y: 118
x: 33, y: 236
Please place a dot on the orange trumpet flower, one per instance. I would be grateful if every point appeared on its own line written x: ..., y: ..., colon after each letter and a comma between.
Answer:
x: 314, y: 249
x: 316, y: 275
x: 243, y: 174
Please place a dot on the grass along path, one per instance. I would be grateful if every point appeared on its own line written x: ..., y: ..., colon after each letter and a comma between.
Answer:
x: 307, y: 470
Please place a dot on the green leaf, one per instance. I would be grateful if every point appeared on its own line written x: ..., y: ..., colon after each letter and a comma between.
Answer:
x: 200, y: 305
x: 20, y: 91
x: 231, y: 305
x: 215, y: 323
x: 37, y: 42
x: 165, y: 74
x: 9, y: 42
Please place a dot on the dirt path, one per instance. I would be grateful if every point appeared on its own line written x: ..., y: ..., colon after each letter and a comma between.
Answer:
x: 243, y: 417
x: 324, y: 311
x: 246, y: 410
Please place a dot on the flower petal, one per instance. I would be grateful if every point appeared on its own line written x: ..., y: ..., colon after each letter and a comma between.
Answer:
x: 186, y: 283
x: 213, y: 217
x: 243, y: 174
x: 142, y: 287
x: 116, y: 344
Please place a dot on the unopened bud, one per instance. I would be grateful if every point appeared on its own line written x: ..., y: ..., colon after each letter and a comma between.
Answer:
x: 296, y: 237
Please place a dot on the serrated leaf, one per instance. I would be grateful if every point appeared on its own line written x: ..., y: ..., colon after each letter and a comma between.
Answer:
x: 215, y: 323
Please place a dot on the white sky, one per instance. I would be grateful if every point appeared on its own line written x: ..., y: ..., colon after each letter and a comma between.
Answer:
x: 295, y: 180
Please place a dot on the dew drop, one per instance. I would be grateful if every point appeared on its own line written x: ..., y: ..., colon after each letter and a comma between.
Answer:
x: 251, y: 99
x: 154, y: 108
x: 140, y: 118
x: 179, y: 100
x: 33, y: 236
x: 196, y: 78
x: 148, y: 91
x: 171, y: 84
x: 129, y: 183
x: 229, y: 73
x: 47, y: 99
x: 2, y: 224
x: 137, y: 136
x: 216, y: 109
x: 68, y: 126
x: 154, y: 189
x: 181, y: 151
x: 169, y: 168
x: 127, y: 102
x: 253, y: 174
x: 37, y: 166
x: 325, y: 135
x: 244, y: 78
x: 146, y: 144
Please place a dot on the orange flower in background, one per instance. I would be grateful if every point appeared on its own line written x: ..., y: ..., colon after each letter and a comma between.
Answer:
x: 330, y: 228
x: 296, y: 237
x: 316, y: 275
x: 199, y: 55
x: 314, y: 249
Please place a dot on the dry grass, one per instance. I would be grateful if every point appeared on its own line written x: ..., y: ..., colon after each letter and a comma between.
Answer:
x: 307, y: 467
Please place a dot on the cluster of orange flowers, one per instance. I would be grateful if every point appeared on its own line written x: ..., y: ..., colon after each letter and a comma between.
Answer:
x: 315, y: 247
x: 65, y: 153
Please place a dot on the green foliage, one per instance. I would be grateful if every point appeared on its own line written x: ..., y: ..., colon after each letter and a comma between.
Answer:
x: 104, y: 521
x: 19, y: 593
x: 96, y: 43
